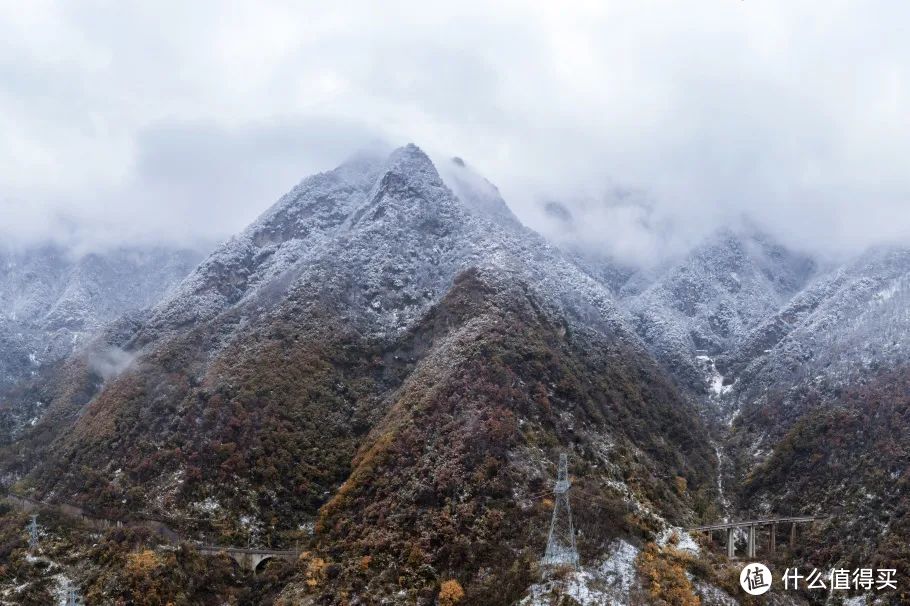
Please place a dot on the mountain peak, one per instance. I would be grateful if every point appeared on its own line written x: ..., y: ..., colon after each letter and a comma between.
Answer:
x: 409, y: 180
x: 412, y: 161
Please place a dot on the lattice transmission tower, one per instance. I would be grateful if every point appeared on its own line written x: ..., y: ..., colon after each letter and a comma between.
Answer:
x: 33, y: 535
x: 561, y: 549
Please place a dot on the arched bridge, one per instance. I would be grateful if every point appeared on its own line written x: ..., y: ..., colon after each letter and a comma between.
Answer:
x: 753, y: 528
x: 250, y: 557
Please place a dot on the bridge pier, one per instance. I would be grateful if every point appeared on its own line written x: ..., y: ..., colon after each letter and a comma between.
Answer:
x: 752, y: 528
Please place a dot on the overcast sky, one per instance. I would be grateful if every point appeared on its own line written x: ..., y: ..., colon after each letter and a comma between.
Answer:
x: 184, y: 120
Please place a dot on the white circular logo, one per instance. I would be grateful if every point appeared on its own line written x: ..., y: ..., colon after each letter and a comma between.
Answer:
x: 755, y: 579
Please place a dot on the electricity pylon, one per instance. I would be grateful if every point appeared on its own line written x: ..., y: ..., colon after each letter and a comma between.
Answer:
x: 33, y: 535
x: 561, y: 549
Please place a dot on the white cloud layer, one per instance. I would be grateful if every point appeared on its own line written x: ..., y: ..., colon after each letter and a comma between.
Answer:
x: 185, y: 120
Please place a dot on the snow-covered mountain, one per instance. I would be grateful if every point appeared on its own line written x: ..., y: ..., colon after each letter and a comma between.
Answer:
x: 383, y: 238
x: 848, y: 328
x: 386, y: 363
x: 380, y: 345
x: 852, y: 320
x: 52, y: 300
x: 706, y: 304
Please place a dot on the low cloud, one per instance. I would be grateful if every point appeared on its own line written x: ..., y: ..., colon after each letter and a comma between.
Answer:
x: 191, y: 182
x: 184, y: 121
x: 110, y: 361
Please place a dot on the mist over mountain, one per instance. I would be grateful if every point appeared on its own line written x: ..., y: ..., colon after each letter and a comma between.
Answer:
x: 701, y: 115
x: 630, y: 312
x: 54, y: 301
x: 373, y: 348
x: 384, y: 365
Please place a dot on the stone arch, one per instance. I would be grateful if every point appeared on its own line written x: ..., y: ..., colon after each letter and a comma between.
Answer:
x: 259, y: 561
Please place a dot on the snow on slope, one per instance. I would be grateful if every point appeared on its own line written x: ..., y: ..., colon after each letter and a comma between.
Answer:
x: 848, y: 322
x: 380, y: 240
x: 51, y: 300
x: 710, y: 301
x: 607, y: 583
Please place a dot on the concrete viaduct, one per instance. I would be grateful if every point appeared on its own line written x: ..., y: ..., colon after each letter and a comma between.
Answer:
x: 752, y: 528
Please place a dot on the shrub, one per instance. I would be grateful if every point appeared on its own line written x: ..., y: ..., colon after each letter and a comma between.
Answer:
x: 664, y: 575
x: 450, y: 593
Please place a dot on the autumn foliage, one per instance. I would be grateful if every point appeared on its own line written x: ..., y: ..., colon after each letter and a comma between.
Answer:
x: 450, y: 593
x: 663, y: 571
